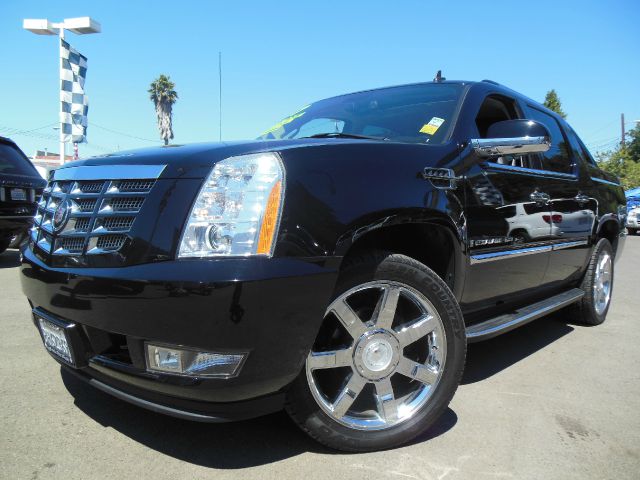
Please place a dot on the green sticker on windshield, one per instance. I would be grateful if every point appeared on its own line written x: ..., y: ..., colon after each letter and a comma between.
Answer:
x: 285, y: 121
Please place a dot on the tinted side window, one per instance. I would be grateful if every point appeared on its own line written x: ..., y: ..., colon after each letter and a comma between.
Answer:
x: 586, y: 153
x: 557, y: 158
x: 497, y: 108
x: 576, y: 146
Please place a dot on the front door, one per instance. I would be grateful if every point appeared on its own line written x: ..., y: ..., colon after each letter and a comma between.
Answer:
x: 507, y: 232
x: 508, y: 222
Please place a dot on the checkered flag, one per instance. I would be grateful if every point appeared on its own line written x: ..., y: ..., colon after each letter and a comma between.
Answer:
x: 75, y: 104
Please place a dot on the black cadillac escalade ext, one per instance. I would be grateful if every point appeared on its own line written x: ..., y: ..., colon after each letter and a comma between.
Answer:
x: 20, y: 185
x: 337, y: 266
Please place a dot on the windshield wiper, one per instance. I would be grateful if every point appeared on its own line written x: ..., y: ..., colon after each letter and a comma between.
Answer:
x: 344, y: 135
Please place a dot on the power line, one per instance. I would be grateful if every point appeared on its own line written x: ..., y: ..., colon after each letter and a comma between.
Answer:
x: 20, y: 131
x: 49, y: 136
x: 123, y: 133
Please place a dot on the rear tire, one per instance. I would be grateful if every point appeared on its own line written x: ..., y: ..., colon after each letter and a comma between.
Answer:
x: 597, y: 285
x: 632, y: 231
x: 386, y: 423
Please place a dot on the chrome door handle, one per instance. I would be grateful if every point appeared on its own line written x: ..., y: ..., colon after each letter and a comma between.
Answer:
x: 540, y: 197
x: 581, y: 198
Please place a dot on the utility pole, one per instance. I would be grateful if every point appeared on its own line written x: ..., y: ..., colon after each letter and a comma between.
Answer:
x: 622, y: 143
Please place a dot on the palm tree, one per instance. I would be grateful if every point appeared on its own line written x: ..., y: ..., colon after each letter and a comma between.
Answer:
x: 163, y: 95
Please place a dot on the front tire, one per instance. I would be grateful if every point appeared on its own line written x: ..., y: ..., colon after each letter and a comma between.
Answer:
x: 632, y: 231
x: 387, y: 360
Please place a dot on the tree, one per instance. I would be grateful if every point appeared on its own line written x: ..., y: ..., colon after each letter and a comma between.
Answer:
x: 552, y: 102
x: 619, y: 163
x: 633, y: 145
x: 163, y: 95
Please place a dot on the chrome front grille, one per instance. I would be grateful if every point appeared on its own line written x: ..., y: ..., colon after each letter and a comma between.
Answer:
x: 88, y: 217
x: 110, y: 242
x: 135, y: 185
x: 126, y: 204
x: 85, y: 204
x: 82, y: 224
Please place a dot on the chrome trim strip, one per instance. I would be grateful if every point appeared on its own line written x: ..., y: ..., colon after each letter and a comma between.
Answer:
x: 504, y: 323
x: 155, y: 407
x: 606, y: 182
x: 108, y: 172
x: 489, y: 257
x: 577, y: 243
x: 530, y: 171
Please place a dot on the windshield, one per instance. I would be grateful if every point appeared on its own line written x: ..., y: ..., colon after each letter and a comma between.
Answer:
x: 13, y: 162
x: 414, y: 113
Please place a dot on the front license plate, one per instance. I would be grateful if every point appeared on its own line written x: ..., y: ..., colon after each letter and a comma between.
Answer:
x: 55, y: 340
x: 18, y: 194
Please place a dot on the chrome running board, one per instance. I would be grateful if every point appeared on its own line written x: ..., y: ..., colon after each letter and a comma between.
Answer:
x: 504, y: 323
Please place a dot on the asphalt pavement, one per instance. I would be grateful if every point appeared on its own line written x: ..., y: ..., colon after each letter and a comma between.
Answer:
x: 551, y: 400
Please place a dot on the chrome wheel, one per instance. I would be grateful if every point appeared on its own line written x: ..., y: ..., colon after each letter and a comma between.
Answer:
x: 602, y: 283
x: 379, y: 356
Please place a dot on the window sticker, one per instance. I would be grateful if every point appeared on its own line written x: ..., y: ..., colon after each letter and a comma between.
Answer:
x: 433, y: 126
x: 282, y: 123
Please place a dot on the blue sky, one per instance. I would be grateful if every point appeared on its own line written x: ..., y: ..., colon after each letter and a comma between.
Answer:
x: 279, y: 56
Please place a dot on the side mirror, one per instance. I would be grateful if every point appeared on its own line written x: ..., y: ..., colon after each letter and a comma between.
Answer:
x: 513, y: 137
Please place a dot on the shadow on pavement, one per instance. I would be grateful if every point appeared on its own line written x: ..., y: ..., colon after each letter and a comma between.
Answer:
x: 10, y: 259
x: 485, y: 359
x: 275, y: 437
x: 233, y: 445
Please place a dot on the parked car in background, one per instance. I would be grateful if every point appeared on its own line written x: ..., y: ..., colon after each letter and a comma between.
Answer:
x: 336, y: 267
x: 20, y: 186
x: 633, y: 220
x: 530, y: 221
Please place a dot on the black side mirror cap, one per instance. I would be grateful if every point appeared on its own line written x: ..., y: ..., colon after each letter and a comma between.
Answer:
x: 517, y: 129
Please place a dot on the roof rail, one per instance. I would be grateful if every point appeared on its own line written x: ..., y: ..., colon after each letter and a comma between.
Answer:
x: 490, y: 81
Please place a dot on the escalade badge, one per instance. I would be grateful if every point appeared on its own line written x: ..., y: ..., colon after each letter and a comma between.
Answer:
x: 61, y: 215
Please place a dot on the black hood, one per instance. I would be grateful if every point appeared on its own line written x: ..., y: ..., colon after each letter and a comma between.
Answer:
x: 196, y: 160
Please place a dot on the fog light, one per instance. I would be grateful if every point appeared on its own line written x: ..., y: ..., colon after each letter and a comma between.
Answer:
x: 180, y: 361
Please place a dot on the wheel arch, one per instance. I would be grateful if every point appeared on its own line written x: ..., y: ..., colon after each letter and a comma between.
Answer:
x: 432, y: 239
x: 609, y: 228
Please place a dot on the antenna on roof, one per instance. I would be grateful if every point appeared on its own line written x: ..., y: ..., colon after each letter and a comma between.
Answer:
x: 439, y: 78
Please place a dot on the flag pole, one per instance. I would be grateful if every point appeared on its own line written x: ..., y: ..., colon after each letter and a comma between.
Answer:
x: 220, y: 92
x: 62, y: 144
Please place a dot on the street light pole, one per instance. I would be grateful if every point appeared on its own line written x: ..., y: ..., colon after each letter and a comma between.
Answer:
x: 79, y: 26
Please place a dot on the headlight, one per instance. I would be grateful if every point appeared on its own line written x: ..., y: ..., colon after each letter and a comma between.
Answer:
x: 237, y: 211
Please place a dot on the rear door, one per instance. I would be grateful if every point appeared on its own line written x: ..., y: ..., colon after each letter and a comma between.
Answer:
x: 572, y: 212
